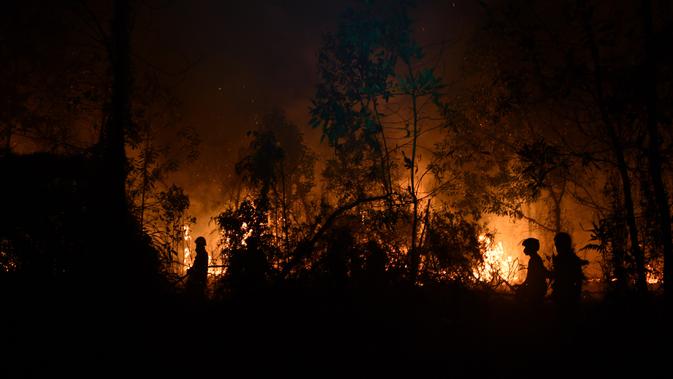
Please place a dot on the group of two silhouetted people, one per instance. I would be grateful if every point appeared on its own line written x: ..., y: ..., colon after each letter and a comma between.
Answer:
x: 566, y: 275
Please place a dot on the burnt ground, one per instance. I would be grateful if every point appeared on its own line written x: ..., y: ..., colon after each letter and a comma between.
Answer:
x: 424, y: 332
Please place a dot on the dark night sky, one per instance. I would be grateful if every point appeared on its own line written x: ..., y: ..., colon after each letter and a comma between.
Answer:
x: 248, y: 57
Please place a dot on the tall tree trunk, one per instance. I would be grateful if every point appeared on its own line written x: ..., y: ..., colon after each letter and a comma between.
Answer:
x: 618, y: 151
x: 636, y: 251
x: 414, y: 256
x: 114, y: 156
x: 385, y: 154
x: 111, y: 201
x: 653, y: 147
x: 618, y: 242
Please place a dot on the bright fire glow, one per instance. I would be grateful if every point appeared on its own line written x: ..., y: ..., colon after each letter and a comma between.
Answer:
x: 653, y: 275
x: 497, y: 265
x: 188, y: 258
x: 248, y: 233
x: 187, y: 254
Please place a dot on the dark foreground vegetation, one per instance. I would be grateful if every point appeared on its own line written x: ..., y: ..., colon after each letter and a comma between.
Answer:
x: 437, y: 332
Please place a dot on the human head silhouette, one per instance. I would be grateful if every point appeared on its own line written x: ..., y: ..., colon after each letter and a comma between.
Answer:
x: 563, y: 242
x: 531, y: 245
x: 200, y: 241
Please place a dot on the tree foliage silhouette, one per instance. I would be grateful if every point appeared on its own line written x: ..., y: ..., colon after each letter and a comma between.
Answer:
x: 374, y: 85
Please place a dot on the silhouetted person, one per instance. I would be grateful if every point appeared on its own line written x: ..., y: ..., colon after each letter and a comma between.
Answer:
x: 336, y: 259
x: 357, y: 268
x: 248, y: 267
x: 256, y: 264
x: 534, y: 288
x: 567, y: 272
x: 197, y: 279
x: 376, y: 264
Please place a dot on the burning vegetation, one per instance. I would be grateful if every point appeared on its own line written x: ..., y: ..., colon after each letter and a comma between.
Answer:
x: 414, y: 170
x: 554, y: 130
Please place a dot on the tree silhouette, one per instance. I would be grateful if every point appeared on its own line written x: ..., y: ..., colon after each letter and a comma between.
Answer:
x: 374, y: 89
x: 52, y: 80
x: 168, y: 232
x: 571, y: 84
x: 278, y: 170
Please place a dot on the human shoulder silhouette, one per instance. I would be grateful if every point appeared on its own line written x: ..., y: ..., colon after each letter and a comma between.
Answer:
x: 534, y: 288
x: 567, y: 271
x: 197, y: 280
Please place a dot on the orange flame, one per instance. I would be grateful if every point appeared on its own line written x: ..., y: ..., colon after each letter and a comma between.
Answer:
x: 187, y: 253
x: 497, y: 264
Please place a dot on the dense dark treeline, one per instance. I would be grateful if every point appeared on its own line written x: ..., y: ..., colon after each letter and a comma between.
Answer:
x: 381, y: 260
x: 562, y: 94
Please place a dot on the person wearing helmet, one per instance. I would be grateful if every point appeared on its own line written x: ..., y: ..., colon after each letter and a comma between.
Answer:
x: 534, y: 288
x: 197, y: 279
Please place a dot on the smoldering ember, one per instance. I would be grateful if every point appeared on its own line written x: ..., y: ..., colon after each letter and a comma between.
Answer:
x: 336, y: 188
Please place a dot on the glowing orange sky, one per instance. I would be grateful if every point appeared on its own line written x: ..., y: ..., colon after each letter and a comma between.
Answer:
x: 248, y: 58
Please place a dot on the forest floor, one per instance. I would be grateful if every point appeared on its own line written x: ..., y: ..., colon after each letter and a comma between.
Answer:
x: 424, y: 332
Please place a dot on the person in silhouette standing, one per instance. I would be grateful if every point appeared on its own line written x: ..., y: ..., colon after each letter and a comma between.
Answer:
x: 534, y: 288
x: 376, y: 265
x: 197, y: 275
x: 248, y: 267
x: 567, y: 272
